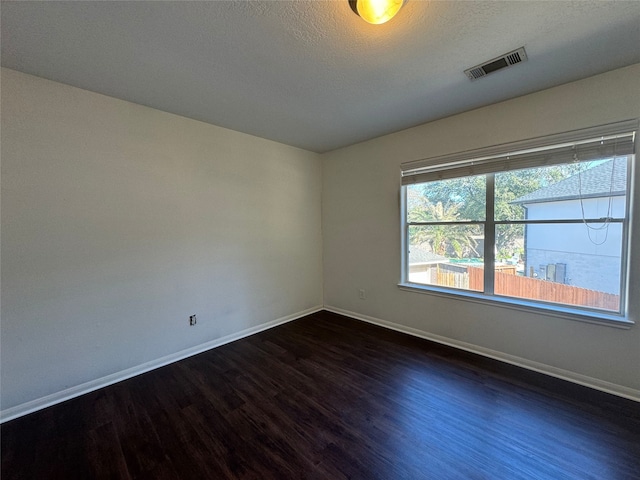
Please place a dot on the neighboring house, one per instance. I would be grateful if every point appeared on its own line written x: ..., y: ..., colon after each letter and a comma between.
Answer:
x: 573, y: 253
x: 423, y: 262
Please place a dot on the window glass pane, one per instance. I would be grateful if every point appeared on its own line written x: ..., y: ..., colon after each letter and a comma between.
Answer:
x: 509, y: 251
x: 452, y: 200
x: 447, y: 256
x: 593, y: 189
x: 569, y: 264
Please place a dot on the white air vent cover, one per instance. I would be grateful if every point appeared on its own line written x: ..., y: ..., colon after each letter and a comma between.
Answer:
x: 503, y: 61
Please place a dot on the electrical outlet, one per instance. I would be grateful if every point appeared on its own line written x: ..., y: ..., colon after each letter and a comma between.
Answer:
x: 362, y: 293
x: 192, y: 320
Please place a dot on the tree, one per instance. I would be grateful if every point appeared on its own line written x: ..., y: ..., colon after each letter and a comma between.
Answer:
x: 468, y: 195
x: 445, y: 240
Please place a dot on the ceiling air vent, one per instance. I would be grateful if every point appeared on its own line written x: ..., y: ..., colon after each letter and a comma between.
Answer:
x: 503, y: 61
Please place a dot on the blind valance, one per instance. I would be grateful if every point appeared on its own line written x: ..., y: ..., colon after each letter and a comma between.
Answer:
x: 606, y: 141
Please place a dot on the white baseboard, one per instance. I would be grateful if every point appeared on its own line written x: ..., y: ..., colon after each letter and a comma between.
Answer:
x: 69, y: 393
x: 619, y: 390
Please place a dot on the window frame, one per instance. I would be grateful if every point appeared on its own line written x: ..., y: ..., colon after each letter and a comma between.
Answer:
x: 618, y: 319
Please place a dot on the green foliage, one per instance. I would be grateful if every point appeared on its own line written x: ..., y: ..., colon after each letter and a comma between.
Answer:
x: 463, y: 198
x: 455, y: 240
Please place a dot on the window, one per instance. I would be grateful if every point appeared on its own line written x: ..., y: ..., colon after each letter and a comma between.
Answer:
x: 542, y: 223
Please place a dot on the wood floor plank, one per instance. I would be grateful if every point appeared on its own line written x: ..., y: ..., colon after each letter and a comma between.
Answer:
x: 328, y: 397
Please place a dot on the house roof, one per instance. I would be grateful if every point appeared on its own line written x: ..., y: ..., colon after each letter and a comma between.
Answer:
x: 423, y: 254
x: 592, y: 183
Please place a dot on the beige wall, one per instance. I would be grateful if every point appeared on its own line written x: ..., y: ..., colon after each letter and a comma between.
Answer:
x: 120, y: 221
x: 361, y: 236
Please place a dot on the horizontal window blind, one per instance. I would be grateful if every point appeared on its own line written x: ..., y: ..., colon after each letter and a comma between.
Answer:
x: 607, y: 141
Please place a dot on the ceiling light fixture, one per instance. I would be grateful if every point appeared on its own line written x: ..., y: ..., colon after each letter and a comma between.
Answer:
x: 376, y: 11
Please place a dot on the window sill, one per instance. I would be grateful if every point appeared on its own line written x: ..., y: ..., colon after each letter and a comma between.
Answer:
x: 597, y: 318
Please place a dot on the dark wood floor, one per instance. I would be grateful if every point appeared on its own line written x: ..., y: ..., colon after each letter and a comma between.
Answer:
x: 327, y: 397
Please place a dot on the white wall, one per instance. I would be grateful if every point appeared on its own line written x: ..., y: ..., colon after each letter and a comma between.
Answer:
x: 119, y: 221
x: 592, y: 257
x: 361, y: 236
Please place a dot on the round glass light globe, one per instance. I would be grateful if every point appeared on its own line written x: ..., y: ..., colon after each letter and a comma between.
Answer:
x: 378, y: 11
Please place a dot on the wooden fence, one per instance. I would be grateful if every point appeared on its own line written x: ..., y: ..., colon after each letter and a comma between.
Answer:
x: 511, y: 285
x: 454, y: 279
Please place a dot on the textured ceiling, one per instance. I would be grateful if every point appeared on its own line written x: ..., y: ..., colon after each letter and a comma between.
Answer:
x: 311, y: 73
